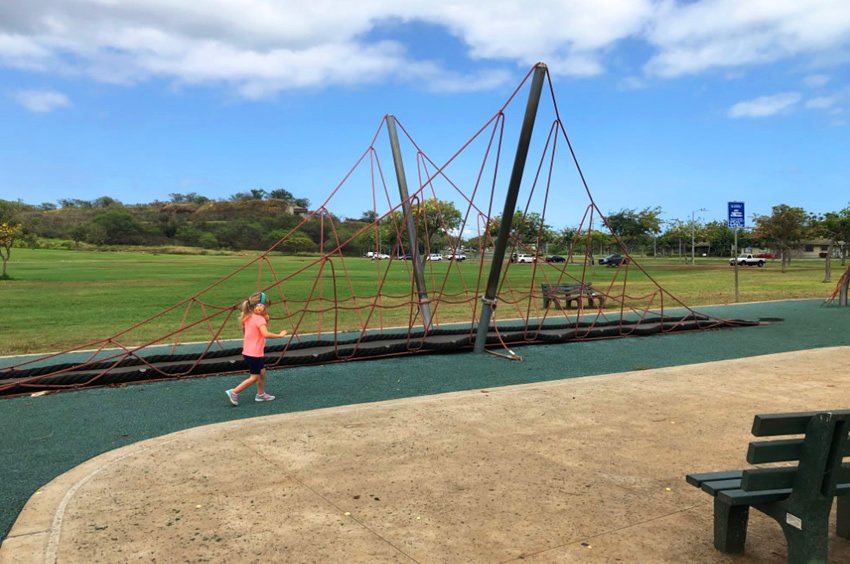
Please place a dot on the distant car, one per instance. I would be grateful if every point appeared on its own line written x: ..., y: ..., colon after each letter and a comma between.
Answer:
x: 614, y: 260
x: 555, y: 258
x: 405, y: 257
x: 434, y: 256
x: 456, y: 256
x: 747, y: 260
x: 525, y: 258
x: 766, y: 255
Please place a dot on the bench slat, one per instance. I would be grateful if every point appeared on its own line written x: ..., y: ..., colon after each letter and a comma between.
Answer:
x: 771, y: 424
x: 761, y: 452
x: 768, y: 478
x: 698, y: 479
x: 713, y: 487
x: 743, y: 497
x: 780, y: 478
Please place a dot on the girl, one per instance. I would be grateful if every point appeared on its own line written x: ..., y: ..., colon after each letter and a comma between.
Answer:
x: 255, y: 317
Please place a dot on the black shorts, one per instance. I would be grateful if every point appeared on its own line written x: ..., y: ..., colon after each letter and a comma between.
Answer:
x: 255, y: 363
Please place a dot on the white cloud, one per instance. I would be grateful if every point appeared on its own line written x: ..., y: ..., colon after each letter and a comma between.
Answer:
x: 698, y: 36
x: 765, y: 105
x: 22, y: 52
x: 816, y: 80
x: 41, y: 101
x: 821, y: 102
x: 260, y: 47
x: 632, y: 83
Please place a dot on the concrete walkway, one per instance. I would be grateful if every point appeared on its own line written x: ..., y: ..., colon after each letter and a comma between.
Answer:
x: 588, y: 469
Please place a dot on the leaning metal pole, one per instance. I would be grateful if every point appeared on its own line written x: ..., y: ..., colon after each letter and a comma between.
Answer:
x: 418, y: 274
x: 489, y: 299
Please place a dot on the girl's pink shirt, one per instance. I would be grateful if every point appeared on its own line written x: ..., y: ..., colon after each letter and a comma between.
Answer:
x: 254, y: 343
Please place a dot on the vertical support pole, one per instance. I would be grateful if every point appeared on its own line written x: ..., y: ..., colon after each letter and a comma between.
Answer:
x: 735, y: 256
x: 510, y: 205
x: 418, y: 274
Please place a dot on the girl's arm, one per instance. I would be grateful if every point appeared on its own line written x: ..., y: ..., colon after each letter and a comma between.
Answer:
x: 268, y: 334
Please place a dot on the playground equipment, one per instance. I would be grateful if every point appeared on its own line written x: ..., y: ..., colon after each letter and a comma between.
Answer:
x: 841, y: 289
x: 449, y: 305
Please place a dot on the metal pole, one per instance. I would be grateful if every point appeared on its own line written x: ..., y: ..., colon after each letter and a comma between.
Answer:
x: 418, y: 274
x: 489, y: 298
x: 693, y: 234
x: 735, y: 256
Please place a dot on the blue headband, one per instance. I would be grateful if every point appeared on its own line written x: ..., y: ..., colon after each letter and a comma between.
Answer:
x: 263, y: 298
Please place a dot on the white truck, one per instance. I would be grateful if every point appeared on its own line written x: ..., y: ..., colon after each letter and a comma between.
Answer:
x: 523, y: 258
x: 747, y: 260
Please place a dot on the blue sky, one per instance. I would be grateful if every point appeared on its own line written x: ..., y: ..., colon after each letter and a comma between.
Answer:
x: 682, y: 105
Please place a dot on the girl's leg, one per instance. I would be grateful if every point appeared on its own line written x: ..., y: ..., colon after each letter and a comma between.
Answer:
x: 261, y: 383
x: 248, y: 381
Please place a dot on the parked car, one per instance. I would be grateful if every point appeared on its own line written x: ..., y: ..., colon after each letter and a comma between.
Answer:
x: 405, y: 257
x: 766, y: 255
x: 747, y: 260
x: 434, y: 256
x: 525, y: 258
x: 379, y: 256
x: 614, y: 260
x: 456, y: 256
x: 555, y: 258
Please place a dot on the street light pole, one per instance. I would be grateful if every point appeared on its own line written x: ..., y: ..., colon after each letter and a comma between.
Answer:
x: 693, y: 232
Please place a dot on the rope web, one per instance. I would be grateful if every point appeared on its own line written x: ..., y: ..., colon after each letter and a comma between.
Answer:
x: 334, y: 312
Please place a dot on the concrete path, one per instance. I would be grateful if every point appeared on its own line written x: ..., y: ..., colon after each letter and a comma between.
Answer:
x: 584, y: 469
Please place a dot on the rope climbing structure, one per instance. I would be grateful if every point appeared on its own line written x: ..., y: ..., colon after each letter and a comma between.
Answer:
x: 447, y: 271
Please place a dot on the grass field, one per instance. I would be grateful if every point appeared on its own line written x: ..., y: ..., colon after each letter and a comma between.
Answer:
x: 59, y: 299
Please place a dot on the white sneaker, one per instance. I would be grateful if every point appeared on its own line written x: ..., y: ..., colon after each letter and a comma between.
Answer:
x: 233, y: 397
x: 263, y: 397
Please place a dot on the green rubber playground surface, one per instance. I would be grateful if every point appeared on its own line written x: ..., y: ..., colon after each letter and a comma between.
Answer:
x: 48, y: 435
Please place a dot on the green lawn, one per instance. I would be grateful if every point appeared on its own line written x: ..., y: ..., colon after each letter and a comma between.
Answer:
x: 59, y: 299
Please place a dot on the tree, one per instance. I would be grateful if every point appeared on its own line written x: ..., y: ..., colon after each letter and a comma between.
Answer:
x: 105, y: 202
x: 633, y: 227
x: 8, y: 233
x: 368, y: 216
x: 435, y: 220
x: 281, y: 194
x: 834, y: 226
x: 296, y: 243
x: 674, y: 237
x: 783, y: 229
x: 719, y: 236
x: 116, y: 226
x: 190, y: 198
x: 527, y: 230
x: 10, y: 230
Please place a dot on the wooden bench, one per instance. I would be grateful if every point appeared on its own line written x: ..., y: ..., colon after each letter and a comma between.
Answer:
x: 798, y: 497
x: 567, y: 294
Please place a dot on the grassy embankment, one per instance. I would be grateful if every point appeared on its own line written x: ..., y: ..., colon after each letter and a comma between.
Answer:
x: 59, y: 299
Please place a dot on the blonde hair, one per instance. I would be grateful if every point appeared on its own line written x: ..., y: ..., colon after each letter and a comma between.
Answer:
x: 250, y: 305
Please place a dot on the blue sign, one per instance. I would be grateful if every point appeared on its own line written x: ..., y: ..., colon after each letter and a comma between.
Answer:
x: 736, y: 215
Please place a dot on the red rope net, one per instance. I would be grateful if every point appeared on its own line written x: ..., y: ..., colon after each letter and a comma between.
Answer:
x: 332, y: 300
